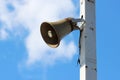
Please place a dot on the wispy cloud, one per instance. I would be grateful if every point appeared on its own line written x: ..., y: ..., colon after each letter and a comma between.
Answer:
x: 30, y: 13
x: 3, y: 34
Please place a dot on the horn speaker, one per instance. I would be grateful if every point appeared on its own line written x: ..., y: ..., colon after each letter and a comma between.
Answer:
x: 53, y: 32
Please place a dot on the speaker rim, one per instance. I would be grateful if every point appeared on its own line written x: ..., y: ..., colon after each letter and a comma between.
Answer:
x: 51, y: 26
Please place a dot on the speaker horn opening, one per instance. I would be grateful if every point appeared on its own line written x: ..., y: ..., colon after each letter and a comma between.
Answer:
x: 49, y: 35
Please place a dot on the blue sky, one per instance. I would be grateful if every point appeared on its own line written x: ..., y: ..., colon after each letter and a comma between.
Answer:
x: 25, y: 56
x: 108, y: 39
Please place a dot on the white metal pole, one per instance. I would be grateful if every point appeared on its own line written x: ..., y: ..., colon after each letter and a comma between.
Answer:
x: 88, y: 66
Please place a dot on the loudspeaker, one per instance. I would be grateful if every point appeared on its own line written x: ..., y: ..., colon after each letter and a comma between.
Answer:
x: 53, y: 32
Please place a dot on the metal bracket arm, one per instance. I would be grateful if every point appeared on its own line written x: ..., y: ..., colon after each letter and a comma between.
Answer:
x: 78, y: 23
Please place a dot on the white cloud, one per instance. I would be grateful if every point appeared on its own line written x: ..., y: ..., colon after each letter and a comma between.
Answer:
x: 39, y: 51
x: 30, y: 13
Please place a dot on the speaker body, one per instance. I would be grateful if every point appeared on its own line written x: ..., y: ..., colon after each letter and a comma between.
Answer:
x: 53, y: 32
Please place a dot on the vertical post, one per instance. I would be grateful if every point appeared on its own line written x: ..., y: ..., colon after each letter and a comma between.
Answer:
x: 88, y: 69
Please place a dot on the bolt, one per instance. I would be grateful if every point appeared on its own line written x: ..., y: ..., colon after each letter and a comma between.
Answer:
x: 91, y: 28
x: 86, y: 66
x: 85, y: 36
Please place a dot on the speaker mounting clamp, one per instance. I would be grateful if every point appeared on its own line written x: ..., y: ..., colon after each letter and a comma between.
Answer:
x: 79, y: 22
